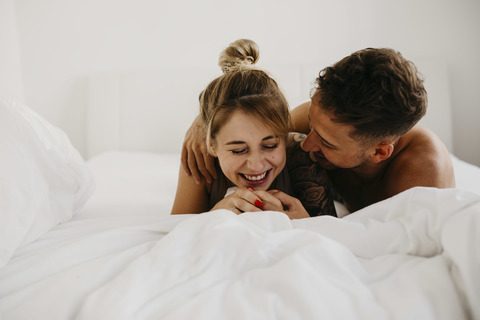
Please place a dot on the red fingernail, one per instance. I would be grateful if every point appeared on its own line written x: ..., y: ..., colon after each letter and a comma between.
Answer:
x: 250, y: 188
x: 258, y: 203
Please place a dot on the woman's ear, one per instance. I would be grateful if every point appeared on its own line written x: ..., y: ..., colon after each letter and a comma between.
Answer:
x: 211, y: 147
x: 212, y: 150
x: 382, y: 152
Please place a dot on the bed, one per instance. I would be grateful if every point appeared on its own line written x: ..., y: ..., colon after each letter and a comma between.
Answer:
x: 90, y: 237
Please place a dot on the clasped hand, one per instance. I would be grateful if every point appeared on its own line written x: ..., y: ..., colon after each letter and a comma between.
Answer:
x: 246, y: 199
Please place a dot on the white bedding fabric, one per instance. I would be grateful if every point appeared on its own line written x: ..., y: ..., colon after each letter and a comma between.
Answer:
x: 43, y: 179
x: 414, y: 256
x: 139, y: 183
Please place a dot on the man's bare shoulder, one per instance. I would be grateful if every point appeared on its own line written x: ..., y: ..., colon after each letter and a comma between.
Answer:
x: 422, y: 160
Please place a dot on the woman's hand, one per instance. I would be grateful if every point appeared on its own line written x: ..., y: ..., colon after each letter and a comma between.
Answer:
x: 242, y: 200
x: 294, y: 208
x: 246, y: 199
x: 196, y: 161
x: 269, y: 202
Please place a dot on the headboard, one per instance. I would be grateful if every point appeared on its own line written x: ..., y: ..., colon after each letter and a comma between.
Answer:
x: 150, y: 110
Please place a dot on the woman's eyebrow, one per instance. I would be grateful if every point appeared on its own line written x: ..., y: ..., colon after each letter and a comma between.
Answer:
x: 243, y: 142
x: 269, y: 137
x: 235, y: 142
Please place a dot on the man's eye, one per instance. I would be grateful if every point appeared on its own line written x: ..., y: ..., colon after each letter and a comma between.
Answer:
x: 326, y: 145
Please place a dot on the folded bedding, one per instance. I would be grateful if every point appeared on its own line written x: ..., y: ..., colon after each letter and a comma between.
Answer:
x: 70, y: 251
x: 414, y: 256
x: 43, y: 179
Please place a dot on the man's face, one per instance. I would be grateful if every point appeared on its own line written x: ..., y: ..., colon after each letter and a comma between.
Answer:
x: 330, y: 143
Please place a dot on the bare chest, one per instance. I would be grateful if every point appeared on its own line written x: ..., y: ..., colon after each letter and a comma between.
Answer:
x: 355, y: 192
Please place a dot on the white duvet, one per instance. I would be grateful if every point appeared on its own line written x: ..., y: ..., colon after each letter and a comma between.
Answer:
x: 414, y: 256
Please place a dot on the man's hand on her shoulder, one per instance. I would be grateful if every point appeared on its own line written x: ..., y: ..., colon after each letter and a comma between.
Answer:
x: 196, y: 161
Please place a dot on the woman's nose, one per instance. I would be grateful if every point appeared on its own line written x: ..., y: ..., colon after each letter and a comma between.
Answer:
x: 256, y: 162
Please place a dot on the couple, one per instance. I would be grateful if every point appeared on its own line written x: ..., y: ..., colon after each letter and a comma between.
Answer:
x: 361, y: 144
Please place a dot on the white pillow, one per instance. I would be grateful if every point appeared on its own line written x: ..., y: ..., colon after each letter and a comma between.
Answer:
x: 43, y: 179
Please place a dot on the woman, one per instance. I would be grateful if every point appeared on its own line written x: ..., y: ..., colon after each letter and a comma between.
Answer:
x: 246, y: 119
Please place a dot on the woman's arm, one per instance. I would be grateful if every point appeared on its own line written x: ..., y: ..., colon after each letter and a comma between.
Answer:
x: 194, y: 198
x: 190, y: 197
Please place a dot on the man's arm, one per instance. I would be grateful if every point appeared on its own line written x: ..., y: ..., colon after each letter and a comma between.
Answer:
x: 196, y: 161
x: 300, y: 118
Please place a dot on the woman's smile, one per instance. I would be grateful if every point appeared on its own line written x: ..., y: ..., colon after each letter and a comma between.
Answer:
x: 256, y: 179
x: 249, y: 153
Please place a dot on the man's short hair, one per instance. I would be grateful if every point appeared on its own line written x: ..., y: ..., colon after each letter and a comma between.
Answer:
x: 377, y: 91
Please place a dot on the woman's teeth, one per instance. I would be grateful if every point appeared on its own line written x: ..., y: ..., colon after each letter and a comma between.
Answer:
x: 256, y: 178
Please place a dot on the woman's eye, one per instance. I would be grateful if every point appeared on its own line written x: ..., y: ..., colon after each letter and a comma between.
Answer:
x: 239, y: 151
x: 272, y: 146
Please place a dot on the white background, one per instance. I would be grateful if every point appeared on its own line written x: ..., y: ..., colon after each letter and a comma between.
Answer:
x: 48, y: 47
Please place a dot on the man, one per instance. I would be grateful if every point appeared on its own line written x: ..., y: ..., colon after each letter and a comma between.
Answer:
x: 361, y: 122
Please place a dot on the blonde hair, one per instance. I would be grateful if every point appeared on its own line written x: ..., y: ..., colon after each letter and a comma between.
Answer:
x: 242, y: 52
x: 243, y: 86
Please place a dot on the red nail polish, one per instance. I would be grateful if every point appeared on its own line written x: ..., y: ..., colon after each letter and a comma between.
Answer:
x: 258, y: 203
x: 250, y: 188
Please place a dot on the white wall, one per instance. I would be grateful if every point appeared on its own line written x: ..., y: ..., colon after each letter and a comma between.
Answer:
x: 11, y: 87
x: 62, y: 41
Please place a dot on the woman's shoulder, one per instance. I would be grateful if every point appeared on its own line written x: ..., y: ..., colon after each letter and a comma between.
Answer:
x: 296, y: 156
x: 309, y: 181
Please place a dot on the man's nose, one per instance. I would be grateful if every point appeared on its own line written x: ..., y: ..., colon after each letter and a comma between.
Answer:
x: 310, y: 143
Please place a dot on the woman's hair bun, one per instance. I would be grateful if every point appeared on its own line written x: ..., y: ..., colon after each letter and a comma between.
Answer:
x: 243, y: 52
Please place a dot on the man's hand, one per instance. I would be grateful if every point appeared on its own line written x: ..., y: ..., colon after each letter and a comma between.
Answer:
x: 295, y: 209
x: 196, y: 160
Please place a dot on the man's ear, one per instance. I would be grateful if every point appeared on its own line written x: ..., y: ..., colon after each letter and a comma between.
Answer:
x: 382, y: 152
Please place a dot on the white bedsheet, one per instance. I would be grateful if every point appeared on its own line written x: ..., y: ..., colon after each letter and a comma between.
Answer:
x: 144, y: 183
x: 133, y: 183
x: 414, y: 256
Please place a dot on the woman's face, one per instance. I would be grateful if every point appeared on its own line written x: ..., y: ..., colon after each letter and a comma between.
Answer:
x: 249, y: 153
